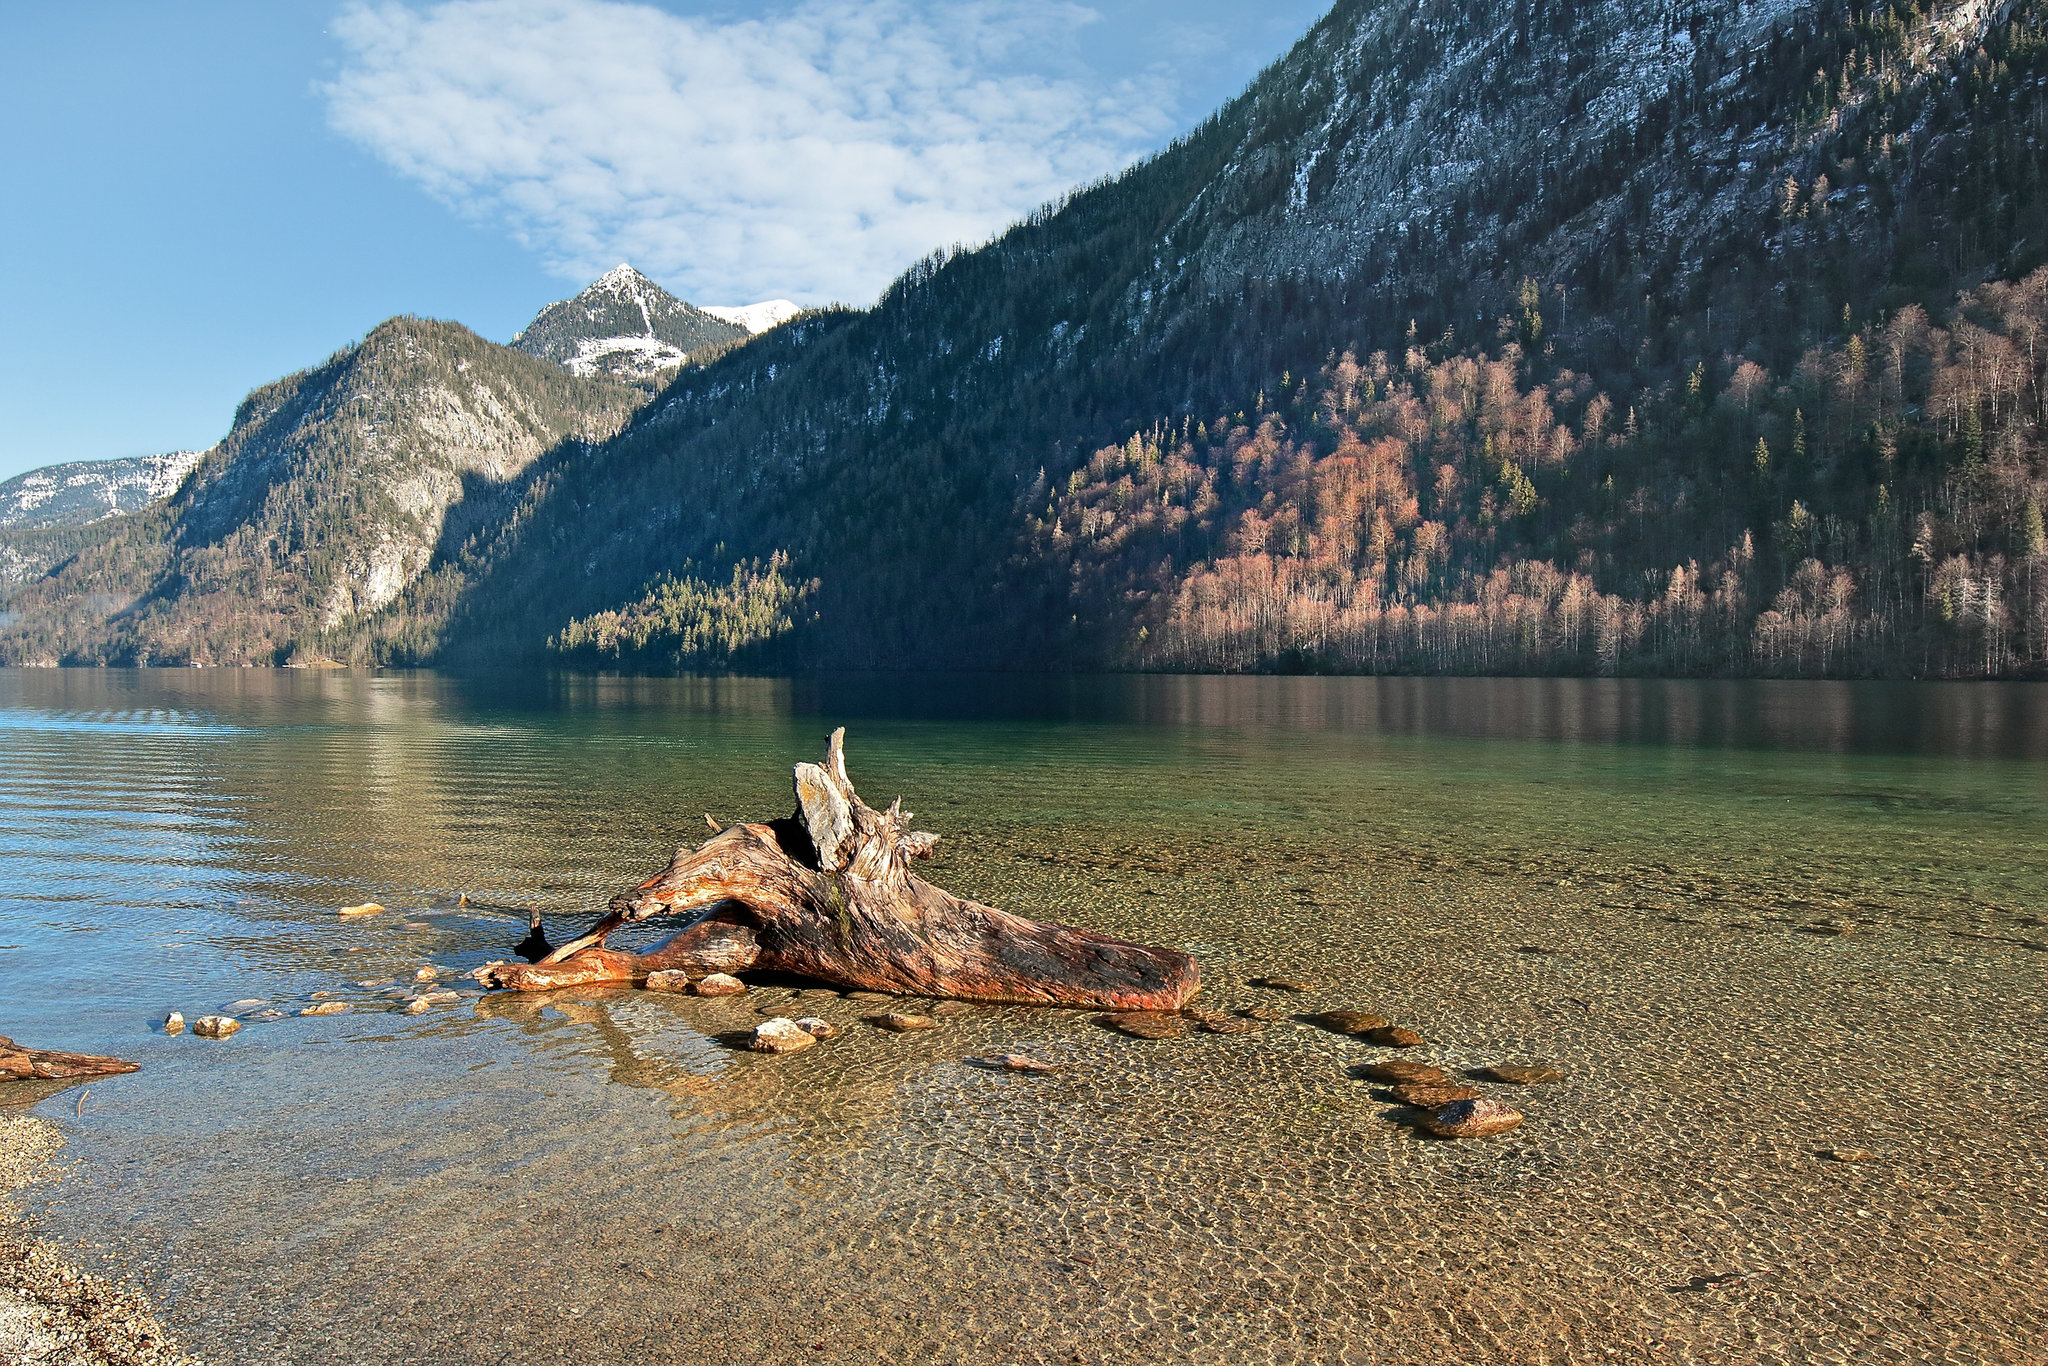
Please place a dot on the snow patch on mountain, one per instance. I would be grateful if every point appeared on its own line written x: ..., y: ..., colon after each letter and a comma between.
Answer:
x: 756, y: 318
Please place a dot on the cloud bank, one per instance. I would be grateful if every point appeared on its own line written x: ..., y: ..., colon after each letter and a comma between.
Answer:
x: 811, y: 154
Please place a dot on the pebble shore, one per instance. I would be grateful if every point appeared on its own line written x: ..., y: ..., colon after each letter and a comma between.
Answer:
x: 52, y: 1312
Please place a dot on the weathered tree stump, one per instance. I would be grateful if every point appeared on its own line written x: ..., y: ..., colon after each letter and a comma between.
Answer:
x: 827, y: 894
x: 37, y: 1064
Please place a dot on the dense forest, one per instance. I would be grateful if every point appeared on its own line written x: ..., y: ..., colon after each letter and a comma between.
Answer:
x: 1477, y: 335
x: 1480, y: 514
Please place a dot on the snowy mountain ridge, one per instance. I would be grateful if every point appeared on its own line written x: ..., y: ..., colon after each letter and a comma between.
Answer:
x: 85, y: 491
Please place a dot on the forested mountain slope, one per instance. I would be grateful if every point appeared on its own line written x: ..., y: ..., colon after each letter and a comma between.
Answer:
x: 333, y: 491
x: 1644, y: 304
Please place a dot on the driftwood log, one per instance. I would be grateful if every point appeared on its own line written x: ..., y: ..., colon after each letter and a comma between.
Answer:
x: 38, y: 1064
x: 827, y: 894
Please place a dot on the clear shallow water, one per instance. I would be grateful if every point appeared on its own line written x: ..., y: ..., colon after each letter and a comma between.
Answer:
x: 590, y: 1176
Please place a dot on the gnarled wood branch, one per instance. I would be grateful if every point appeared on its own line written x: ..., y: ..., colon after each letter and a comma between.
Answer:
x: 827, y: 893
x: 41, y: 1064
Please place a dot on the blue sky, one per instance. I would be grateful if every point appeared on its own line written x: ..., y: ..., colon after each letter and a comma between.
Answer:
x: 204, y: 196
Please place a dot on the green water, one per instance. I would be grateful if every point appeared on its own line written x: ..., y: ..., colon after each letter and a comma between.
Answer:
x: 1640, y: 882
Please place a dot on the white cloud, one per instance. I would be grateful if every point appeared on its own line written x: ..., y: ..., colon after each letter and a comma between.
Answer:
x: 811, y: 154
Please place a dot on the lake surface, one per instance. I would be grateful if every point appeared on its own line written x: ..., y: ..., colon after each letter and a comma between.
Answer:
x: 1640, y: 882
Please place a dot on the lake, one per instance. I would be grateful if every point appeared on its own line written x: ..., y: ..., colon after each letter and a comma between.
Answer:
x: 1754, y: 923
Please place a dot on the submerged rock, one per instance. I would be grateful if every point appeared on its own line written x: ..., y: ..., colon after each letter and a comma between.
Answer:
x: 367, y: 908
x: 1522, y: 1074
x: 869, y: 996
x: 780, y: 1036
x: 1423, y: 1095
x: 1395, y: 1071
x: 719, y: 984
x: 1350, y: 1021
x: 325, y: 1008
x: 817, y: 1028
x: 1284, y: 983
x: 945, y: 1009
x: 1393, y: 1036
x: 426, y: 974
x: 672, y: 980
x: 1265, y: 1014
x: 1149, y: 1024
x: 1481, y: 1118
x: 174, y: 1023
x: 1203, y: 1015
x: 1227, y: 1025
x: 1849, y: 1155
x: 215, y: 1026
x: 1013, y: 1062
x: 899, y: 1023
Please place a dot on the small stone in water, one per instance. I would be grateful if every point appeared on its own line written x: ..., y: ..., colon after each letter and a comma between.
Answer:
x: 1148, y: 1024
x: 374, y: 983
x: 319, y: 995
x: 1350, y: 1021
x: 1013, y: 1062
x: 1267, y: 1013
x: 1395, y: 1071
x: 1393, y: 1036
x: 817, y: 1028
x: 1283, y: 984
x: 1481, y: 1118
x: 215, y: 1026
x: 367, y: 908
x: 780, y: 1036
x: 1203, y: 1014
x: 174, y: 1023
x: 1849, y: 1155
x: 1521, y: 1074
x: 900, y: 1023
x: 719, y: 984
x: 250, y: 1004
x: 947, y: 1008
x: 326, y: 1008
x: 1427, y: 1096
x: 869, y: 996
x: 418, y: 1005
x: 672, y: 980
x: 426, y: 974
x: 415, y: 925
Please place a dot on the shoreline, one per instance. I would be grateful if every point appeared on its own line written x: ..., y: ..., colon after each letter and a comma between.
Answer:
x: 53, y: 1312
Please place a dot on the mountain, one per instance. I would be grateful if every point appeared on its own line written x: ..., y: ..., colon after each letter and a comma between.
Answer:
x: 628, y: 327
x: 332, y: 492
x: 84, y: 491
x: 1659, y: 336
x: 1650, y: 336
x: 756, y: 318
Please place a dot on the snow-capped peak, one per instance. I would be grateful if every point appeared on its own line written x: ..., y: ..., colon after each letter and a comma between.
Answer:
x: 756, y: 318
x: 621, y: 277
